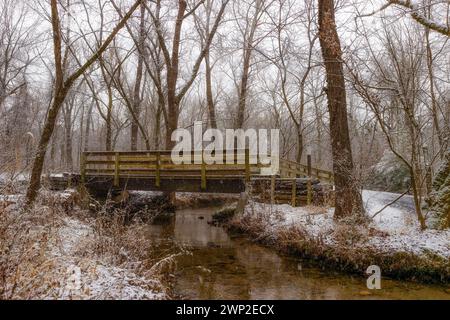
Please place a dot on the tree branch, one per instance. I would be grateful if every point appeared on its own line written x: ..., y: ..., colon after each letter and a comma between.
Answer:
x: 103, y: 47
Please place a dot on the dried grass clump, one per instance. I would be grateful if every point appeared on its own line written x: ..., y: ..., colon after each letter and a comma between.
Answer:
x: 25, y: 239
x: 349, y: 234
x: 255, y: 223
x: 314, y: 210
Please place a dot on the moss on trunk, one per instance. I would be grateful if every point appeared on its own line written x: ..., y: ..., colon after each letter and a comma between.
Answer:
x: 439, y: 199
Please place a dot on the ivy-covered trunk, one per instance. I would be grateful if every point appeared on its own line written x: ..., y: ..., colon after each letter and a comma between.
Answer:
x: 439, y: 199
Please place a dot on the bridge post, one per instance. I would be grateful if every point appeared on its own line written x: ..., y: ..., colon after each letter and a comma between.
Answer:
x: 158, y: 170
x: 272, y: 189
x: 247, y: 165
x: 294, y: 192
x: 83, y: 167
x: 117, y: 170
x: 203, y: 169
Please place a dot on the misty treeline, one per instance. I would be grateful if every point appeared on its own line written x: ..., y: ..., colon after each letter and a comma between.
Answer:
x: 362, y: 86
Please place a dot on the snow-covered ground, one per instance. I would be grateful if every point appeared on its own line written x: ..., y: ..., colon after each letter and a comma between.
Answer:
x: 96, y: 279
x: 400, y: 221
x: 67, y: 265
x: 398, y: 217
x: 16, y: 177
x: 396, y: 227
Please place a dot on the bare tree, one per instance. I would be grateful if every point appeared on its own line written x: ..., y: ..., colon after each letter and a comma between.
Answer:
x: 348, y: 196
x: 16, y: 39
x: 136, y: 103
x: 420, y: 17
x: 295, y: 101
x: 251, y: 22
x: 175, y: 96
x: 61, y: 87
x: 204, y: 30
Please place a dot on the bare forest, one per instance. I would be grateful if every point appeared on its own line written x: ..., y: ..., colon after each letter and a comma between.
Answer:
x: 359, y: 91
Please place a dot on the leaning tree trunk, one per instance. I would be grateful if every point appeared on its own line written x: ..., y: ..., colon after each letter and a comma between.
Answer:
x: 348, y: 197
x: 38, y: 164
x: 61, y: 89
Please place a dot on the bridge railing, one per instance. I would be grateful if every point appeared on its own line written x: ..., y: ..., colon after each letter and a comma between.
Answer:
x: 291, y: 169
x: 159, y: 164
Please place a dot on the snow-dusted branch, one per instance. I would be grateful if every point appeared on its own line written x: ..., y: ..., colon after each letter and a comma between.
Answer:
x: 420, y: 17
x: 415, y: 14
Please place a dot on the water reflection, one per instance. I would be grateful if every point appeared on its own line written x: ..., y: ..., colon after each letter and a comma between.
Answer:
x: 224, y: 268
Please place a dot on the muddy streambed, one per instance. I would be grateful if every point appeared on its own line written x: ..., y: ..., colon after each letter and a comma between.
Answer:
x: 224, y: 267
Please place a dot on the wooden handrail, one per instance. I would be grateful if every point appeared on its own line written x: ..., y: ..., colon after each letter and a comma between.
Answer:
x: 156, y: 163
x: 302, y: 170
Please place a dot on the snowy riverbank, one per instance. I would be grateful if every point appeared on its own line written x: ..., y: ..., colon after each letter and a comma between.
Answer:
x: 60, y: 252
x: 393, y: 240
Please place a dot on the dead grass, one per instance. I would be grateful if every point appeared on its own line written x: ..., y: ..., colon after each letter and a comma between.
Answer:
x: 39, y: 246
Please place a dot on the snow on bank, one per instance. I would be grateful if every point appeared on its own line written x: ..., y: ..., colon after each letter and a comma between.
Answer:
x: 16, y: 177
x: 94, y: 279
x: 400, y: 222
x: 97, y: 280
x: 399, y: 217
x: 63, y: 261
x: 395, y: 229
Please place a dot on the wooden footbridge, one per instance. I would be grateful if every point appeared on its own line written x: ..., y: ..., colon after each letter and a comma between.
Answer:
x: 101, y: 171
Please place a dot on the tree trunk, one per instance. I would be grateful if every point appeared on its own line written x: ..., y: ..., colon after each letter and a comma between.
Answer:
x: 108, y: 124
x: 172, y: 77
x: 439, y: 199
x: 172, y: 123
x: 61, y: 89
x: 88, y: 127
x: 68, y: 140
x: 348, y: 197
x: 434, y: 108
x: 248, y: 50
x: 299, y: 155
x: 240, y: 118
x: 137, y: 84
x: 415, y: 170
x: 209, y: 94
x: 157, y: 128
x: 38, y: 164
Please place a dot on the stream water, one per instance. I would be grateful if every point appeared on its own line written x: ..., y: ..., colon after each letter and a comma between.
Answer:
x: 224, y: 267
